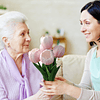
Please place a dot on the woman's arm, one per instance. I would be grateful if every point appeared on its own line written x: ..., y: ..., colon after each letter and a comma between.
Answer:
x: 59, y: 87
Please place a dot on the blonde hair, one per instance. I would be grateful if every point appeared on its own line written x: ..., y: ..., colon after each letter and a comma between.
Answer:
x: 8, y: 22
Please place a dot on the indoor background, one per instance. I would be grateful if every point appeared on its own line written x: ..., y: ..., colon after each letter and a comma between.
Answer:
x: 50, y: 15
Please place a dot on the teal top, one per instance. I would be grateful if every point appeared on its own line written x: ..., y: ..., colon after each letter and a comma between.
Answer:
x: 95, y: 71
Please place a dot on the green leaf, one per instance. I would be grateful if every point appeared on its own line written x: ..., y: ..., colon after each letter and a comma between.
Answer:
x: 54, y: 71
x: 39, y: 64
x: 54, y: 61
x: 48, y: 73
x: 58, y: 30
x: 2, y: 7
x: 53, y: 67
x: 43, y: 67
x: 58, y: 41
x: 40, y: 69
x: 45, y: 76
x: 50, y: 67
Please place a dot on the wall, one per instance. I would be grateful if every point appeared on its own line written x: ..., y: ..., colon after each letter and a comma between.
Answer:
x: 49, y: 15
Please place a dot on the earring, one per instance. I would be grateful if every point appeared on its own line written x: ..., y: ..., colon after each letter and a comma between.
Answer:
x: 8, y: 45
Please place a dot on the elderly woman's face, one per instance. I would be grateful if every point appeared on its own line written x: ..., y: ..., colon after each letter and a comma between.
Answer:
x: 89, y: 26
x: 20, y: 39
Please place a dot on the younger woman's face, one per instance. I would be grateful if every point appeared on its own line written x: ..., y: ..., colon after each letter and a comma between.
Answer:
x: 89, y: 27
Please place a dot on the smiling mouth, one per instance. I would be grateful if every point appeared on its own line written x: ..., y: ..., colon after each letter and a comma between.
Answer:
x: 87, y: 35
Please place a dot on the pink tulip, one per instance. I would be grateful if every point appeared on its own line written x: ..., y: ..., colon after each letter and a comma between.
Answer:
x: 47, y: 57
x: 42, y: 48
x: 46, y: 42
x: 34, y: 55
x: 58, y: 51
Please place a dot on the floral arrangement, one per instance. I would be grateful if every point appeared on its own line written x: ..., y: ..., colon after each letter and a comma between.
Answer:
x: 47, y: 55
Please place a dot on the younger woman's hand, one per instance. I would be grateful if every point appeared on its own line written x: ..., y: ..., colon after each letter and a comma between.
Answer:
x: 57, y: 87
x: 60, y: 78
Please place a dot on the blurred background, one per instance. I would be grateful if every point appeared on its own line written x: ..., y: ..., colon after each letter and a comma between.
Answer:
x: 58, y: 18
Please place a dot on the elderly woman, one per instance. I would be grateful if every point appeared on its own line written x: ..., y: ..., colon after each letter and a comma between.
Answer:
x: 89, y: 87
x: 19, y: 79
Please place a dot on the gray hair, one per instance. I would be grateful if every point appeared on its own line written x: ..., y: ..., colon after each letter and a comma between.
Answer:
x: 8, y: 22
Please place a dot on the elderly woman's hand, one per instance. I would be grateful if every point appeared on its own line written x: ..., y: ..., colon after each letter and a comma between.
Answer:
x: 57, y: 87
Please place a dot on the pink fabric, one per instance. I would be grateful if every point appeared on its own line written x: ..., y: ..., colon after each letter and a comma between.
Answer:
x: 13, y: 86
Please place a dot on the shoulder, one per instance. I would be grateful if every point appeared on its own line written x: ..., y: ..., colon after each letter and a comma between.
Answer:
x: 3, y: 63
x: 91, y: 51
x: 88, y: 58
x: 3, y: 68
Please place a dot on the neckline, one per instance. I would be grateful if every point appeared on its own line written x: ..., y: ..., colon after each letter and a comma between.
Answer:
x: 95, y: 55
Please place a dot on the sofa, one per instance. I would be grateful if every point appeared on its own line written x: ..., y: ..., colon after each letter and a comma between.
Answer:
x: 72, y: 67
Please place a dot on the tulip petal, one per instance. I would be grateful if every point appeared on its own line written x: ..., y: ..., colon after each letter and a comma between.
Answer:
x: 42, y: 48
x: 47, y: 42
x: 34, y: 55
x: 47, y: 57
x: 58, y: 51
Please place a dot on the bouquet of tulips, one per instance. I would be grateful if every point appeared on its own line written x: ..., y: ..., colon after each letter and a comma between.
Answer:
x: 47, y: 55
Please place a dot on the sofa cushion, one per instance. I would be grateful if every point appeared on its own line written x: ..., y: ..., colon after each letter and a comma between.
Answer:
x: 73, y: 66
x: 59, y: 63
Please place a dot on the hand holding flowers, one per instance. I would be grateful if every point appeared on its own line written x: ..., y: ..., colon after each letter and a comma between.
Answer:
x: 47, y: 56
